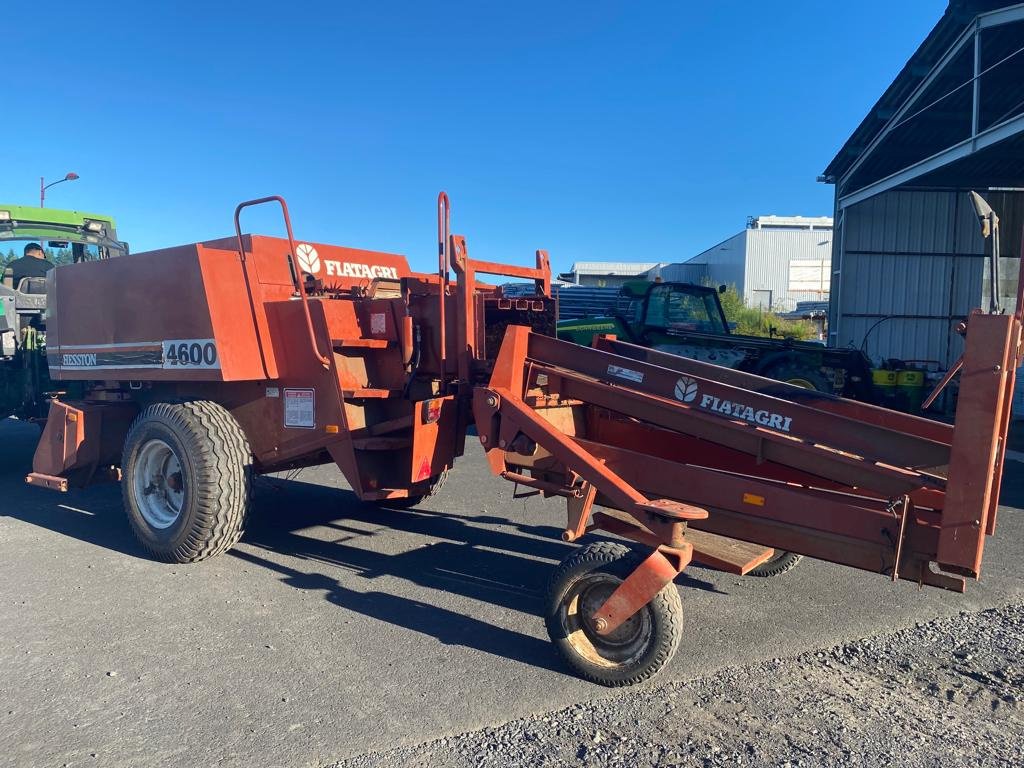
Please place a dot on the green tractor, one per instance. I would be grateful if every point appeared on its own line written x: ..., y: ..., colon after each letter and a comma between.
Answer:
x: 688, y: 320
x: 66, y: 237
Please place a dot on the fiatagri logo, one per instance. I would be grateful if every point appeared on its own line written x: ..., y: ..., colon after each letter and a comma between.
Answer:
x: 309, y: 261
x: 686, y: 391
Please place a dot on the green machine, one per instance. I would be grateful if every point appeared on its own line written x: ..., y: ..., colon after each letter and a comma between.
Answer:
x: 688, y: 320
x: 66, y: 237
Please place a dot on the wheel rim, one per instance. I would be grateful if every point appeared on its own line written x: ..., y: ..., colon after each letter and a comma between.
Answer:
x: 802, y: 383
x: 159, y: 484
x: 626, y: 644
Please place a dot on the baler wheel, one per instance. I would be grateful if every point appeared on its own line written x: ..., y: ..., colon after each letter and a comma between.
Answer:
x: 634, y: 651
x: 187, y: 480
x: 777, y: 564
x: 415, y: 500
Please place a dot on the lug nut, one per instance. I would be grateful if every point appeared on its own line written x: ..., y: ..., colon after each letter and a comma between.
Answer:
x: 601, y: 624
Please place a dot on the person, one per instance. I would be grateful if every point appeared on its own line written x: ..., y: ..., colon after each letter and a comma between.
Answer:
x: 32, y: 264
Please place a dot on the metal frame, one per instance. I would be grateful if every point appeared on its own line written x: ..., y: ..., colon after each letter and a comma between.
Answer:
x: 976, y: 141
x: 630, y: 429
x: 643, y: 434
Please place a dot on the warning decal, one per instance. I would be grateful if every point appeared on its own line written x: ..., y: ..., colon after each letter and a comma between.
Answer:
x: 300, y: 408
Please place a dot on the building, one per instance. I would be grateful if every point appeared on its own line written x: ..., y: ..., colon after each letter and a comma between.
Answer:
x: 607, y: 274
x: 909, y: 262
x: 774, y: 263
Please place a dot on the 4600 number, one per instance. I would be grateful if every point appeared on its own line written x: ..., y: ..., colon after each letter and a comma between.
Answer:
x: 190, y: 353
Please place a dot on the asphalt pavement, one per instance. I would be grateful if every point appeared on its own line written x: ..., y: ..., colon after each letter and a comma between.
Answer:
x: 338, y: 628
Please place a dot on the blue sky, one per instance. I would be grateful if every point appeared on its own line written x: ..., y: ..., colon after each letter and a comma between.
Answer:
x: 600, y: 131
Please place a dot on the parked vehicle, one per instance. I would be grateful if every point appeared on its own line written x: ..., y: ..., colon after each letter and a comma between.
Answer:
x: 688, y: 320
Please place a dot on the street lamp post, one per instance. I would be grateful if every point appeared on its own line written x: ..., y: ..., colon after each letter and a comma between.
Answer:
x: 43, y: 187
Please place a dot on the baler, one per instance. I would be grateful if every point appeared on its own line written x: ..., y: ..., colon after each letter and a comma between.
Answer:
x: 212, y: 362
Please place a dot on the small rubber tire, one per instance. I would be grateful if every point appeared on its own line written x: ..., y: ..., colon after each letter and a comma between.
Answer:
x: 800, y: 376
x: 779, y: 563
x: 213, y: 464
x: 635, y: 651
x: 408, y: 502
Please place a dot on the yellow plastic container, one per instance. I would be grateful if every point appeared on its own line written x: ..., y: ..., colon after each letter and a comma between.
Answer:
x: 910, y: 389
x: 885, y: 386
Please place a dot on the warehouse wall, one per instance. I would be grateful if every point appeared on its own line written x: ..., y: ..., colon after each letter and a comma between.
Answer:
x: 726, y: 262
x: 683, y: 273
x: 911, y: 263
x: 769, y: 256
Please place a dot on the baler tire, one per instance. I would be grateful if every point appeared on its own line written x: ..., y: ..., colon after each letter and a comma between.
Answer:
x: 610, y: 661
x: 408, y: 502
x: 779, y: 563
x: 799, y: 376
x: 215, y: 466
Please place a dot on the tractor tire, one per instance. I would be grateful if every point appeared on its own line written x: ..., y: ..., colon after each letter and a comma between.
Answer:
x: 409, y: 502
x: 777, y: 564
x: 802, y: 376
x: 186, y: 480
x: 633, y: 652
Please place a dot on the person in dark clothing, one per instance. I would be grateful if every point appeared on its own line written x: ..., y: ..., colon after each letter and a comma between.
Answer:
x: 33, y: 264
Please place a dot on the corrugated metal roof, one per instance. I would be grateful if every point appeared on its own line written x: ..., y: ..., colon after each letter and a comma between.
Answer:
x: 957, y: 16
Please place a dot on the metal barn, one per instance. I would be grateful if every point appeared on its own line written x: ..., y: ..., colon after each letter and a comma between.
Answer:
x: 909, y: 261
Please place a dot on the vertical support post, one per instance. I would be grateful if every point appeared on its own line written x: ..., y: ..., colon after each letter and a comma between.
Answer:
x: 444, y: 221
x: 976, y: 98
x: 467, y: 309
x: 989, y: 355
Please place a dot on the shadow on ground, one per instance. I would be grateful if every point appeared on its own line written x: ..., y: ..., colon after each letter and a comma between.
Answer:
x: 305, y: 533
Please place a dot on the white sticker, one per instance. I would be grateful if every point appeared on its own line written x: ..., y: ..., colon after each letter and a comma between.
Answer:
x: 190, y: 353
x: 378, y: 324
x: 625, y: 373
x: 273, y: 392
x: 300, y: 408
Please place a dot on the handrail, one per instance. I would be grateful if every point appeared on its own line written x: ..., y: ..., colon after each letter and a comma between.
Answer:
x: 444, y: 228
x: 296, y: 281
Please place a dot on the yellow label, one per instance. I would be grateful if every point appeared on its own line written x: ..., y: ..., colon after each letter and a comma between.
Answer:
x: 752, y: 498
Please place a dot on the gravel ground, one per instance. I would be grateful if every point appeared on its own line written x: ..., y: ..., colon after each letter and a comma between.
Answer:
x: 944, y: 693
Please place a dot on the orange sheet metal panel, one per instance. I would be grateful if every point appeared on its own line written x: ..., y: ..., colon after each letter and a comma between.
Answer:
x: 191, y: 313
x: 985, y: 384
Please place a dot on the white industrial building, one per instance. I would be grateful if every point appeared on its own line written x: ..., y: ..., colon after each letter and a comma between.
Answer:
x: 607, y: 274
x: 774, y: 263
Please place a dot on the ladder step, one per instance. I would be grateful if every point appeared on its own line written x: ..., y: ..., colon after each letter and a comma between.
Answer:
x: 726, y: 554
x: 383, y: 394
x: 360, y: 343
x: 674, y: 509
